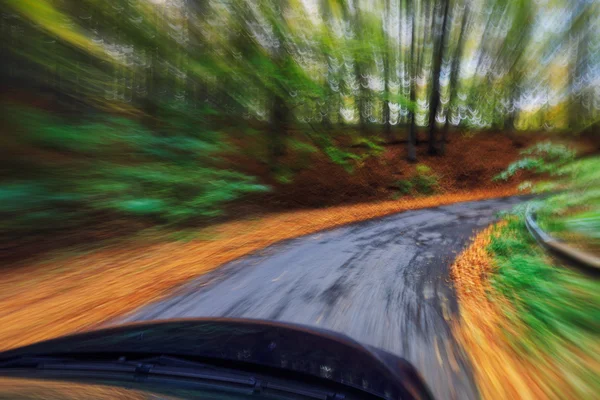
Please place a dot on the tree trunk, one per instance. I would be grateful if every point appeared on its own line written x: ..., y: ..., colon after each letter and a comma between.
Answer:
x: 442, y: 144
x: 387, y: 127
x: 412, y: 140
x: 412, y: 132
x: 582, y: 29
x: 362, y: 123
x: 277, y: 132
x: 453, y: 81
x: 435, y: 92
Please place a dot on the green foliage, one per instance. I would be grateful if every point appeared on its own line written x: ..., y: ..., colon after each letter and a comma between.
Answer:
x: 374, y: 148
x: 424, y: 181
x: 576, y: 207
x: 524, y: 164
x: 583, y: 173
x: 404, y: 186
x: 545, y: 157
x: 586, y: 223
x: 25, y: 204
x: 551, y: 152
x: 284, y: 176
x: 141, y: 206
x: 119, y: 166
x: 341, y: 157
x: 555, y: 304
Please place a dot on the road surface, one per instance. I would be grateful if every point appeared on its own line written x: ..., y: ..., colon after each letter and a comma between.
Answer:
x: 382, y: 282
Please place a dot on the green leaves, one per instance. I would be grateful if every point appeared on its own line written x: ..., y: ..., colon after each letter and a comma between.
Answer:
x: 574, y: 211
x: 44, y: 14
x: 142, y: 206
x: 524, y: 164
x: 424, y: 181
x: 551, y: 152
x: 404, y: 186
x: 118, y: 166
x: 555, y: 304
x: 541, y: 158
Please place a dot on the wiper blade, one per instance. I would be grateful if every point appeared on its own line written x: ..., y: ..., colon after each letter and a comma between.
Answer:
x: 166, y: 367
x: 162, y: 365
x: 173, y: 362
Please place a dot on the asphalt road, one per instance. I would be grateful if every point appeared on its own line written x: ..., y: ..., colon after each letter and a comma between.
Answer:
x: 382, y: 282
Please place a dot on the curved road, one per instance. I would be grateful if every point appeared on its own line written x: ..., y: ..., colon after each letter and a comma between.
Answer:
x: 382, y: 282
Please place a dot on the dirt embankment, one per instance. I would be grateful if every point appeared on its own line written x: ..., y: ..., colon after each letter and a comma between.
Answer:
x: 470, y: 163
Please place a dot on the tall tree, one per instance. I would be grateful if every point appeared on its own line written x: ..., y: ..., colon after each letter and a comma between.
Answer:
x: 412, y: 130
x: 454, y: 79
x: 435, y: 90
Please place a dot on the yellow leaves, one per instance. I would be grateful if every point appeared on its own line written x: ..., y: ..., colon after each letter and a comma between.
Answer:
x: 483, y: 331
x: 56, y: 23
x: 16, y: 388
x: 498, y: 372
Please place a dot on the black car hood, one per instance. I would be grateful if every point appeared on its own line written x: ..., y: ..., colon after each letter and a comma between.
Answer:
x: 289, y: 347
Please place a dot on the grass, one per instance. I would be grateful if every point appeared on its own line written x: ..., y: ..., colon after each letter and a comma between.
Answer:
x: 559, y: 307
x: 529, y: 326
x: 572, y: 214
x: 53, y: 297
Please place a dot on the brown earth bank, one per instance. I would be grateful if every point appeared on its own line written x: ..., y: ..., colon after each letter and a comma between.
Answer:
x: 470, y: 163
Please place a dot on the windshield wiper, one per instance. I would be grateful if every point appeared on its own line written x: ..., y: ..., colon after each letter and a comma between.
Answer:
x: 163, y: 367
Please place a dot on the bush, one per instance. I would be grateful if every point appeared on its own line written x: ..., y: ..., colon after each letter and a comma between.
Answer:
x: 404, y: 186
x: 115, y: 165
x: 425, y: 181
x: 573, y: 213
x: 540, y: 158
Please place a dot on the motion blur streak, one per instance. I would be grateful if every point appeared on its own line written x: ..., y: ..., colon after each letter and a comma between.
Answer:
x: 131, y: 126
x: 128, y: 106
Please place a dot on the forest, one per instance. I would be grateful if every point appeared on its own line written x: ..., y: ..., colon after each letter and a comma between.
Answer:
x: 154, y: 109
x: 379, y: 168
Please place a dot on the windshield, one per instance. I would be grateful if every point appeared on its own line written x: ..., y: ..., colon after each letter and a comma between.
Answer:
x: 417, y: 176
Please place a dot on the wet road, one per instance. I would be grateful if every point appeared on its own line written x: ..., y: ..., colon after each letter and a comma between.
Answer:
x: 382, y: 282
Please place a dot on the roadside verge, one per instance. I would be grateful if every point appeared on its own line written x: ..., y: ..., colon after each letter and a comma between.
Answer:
x: 528, y: 325
x: 579, y: 257
x: 54, y: 297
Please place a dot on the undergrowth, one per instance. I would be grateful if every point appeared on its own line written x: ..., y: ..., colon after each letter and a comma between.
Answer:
x: 424, y: 181
x: 558, y: 308
x: 572, y: 209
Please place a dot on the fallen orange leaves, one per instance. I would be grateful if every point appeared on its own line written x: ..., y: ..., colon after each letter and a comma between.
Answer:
x: 31, y: 389
x: 55, y: 297
x: 500, y: 371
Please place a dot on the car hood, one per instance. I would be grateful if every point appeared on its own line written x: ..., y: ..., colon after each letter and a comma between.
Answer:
x: 290, y: 347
